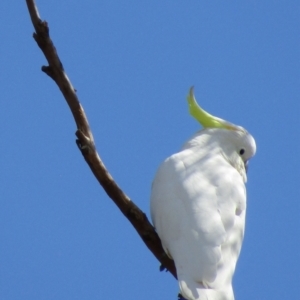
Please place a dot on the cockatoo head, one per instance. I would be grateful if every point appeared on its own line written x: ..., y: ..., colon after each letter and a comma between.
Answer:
x: 237, y: 145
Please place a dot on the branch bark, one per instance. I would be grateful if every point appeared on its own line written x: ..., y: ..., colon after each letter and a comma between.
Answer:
x: 86, y: 144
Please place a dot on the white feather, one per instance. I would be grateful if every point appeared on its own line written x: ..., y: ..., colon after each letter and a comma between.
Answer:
x: 198, y: 206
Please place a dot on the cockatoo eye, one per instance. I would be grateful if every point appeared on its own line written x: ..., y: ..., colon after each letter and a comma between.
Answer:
x: 242, y: 151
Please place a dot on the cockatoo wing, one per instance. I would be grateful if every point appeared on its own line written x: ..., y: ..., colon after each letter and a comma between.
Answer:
x: 198, y: 199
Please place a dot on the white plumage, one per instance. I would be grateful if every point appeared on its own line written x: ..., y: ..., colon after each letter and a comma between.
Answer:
x: 198, y: 207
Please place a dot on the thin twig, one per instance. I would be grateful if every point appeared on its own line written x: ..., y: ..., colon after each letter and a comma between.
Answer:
x: 86, y: 143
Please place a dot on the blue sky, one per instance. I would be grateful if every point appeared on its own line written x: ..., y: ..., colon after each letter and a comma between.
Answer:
x: 132, y: 63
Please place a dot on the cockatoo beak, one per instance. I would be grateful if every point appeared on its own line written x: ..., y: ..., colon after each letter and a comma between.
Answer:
x: 246, y: 163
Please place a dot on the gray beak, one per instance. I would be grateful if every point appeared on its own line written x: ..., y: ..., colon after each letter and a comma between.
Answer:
x: 246, y: 163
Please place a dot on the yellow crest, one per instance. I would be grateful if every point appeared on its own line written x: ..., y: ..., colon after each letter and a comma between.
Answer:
x: 204, y: 118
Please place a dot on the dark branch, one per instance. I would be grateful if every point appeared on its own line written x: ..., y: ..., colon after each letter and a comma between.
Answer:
x: 86, y: 143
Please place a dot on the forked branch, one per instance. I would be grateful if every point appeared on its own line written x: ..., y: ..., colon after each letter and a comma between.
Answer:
x: 85, y: 142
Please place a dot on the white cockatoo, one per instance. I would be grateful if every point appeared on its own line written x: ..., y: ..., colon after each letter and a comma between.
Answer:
x: 198, y: 205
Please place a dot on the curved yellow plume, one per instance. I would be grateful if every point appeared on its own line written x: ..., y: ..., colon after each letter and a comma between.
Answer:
x: 204, y: 118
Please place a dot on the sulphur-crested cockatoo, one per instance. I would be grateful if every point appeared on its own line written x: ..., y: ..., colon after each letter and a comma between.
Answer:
x: 198, y: 205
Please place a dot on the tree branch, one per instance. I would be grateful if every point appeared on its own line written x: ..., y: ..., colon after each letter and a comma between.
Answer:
x: 85, y: 142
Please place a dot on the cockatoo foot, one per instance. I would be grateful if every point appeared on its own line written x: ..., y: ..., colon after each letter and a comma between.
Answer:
x: 162, y: 268
x: 180, y: 297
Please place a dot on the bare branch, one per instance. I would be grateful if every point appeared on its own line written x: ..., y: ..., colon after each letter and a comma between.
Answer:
x: 86, y: 143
